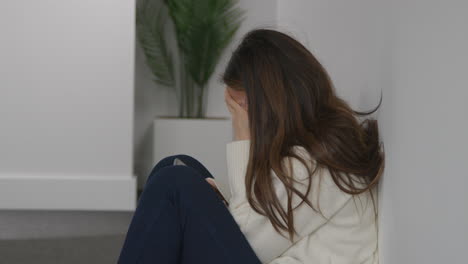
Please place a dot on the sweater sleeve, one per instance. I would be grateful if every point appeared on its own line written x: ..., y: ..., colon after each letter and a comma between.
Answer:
x: 258, y: 230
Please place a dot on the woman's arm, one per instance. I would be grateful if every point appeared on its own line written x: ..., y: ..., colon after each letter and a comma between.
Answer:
x: 266, y: 242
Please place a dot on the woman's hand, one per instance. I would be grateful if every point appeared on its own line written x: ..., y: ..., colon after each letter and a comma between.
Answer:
x: 212, y: 182
x: 240, y: 119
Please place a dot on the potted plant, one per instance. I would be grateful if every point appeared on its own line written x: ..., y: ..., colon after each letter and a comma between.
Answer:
x: 183, y: 41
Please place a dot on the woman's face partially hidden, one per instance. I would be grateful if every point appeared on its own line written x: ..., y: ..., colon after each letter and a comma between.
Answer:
x: 239, y: 96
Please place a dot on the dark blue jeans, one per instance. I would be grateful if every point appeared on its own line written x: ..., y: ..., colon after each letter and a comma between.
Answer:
x: 180, y: 219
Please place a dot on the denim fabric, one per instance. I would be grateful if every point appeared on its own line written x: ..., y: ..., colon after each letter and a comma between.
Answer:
x: 180, y: 219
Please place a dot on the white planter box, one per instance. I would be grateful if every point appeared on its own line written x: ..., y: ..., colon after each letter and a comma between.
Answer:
x: 203, y: 139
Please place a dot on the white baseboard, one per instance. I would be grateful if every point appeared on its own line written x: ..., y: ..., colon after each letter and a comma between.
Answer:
x: 69, y: 192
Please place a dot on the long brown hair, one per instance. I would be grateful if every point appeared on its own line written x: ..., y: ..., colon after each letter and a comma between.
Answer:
x: 292, y: 102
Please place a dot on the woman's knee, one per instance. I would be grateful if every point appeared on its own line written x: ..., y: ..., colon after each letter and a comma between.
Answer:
x: 164, y: 162
x: 169, y: 160
x: 175, y: 177
x: 185, y: 157
x: 182, y: 186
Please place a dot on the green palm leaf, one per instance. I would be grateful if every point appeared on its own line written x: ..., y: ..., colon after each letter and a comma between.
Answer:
x: 204, y: 28
x: 151, y: 31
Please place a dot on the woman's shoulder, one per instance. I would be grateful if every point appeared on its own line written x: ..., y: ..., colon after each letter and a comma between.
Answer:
x: 300, y: 168
x: 324, y: 192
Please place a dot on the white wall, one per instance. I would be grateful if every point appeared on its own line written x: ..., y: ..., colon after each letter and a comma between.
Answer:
x: 345, y: 37
x: 415, y: 51
x: 66, y: 104
x: 425, y: 125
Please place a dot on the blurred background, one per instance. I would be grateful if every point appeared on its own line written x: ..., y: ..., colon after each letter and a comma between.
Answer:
x: 91, y: 97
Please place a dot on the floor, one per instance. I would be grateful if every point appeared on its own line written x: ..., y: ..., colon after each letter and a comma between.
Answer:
x: 62, y: 237
x: 101, y: 249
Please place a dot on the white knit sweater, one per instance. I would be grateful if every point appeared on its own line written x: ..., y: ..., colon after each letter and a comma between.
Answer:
x: 349, y: 236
